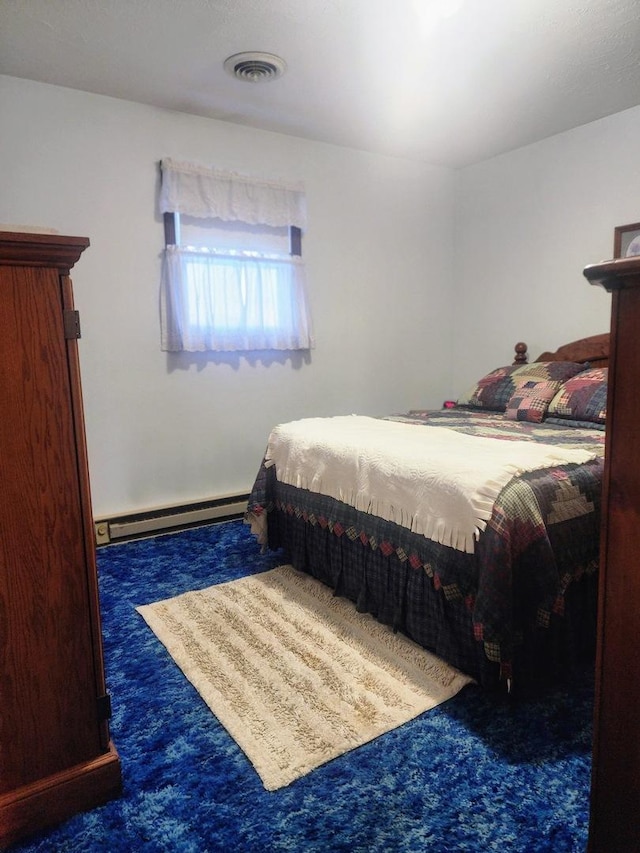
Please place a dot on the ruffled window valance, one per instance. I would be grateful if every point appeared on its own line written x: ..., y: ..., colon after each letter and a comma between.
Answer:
x: 204, y: 192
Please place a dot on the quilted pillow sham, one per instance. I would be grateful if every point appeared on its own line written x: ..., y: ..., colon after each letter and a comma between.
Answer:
x: 494, y: 390
x: 531, y: 400
x: 583, y: 397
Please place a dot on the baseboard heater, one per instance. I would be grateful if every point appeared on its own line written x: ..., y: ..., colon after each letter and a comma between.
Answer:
x: 169, y: 518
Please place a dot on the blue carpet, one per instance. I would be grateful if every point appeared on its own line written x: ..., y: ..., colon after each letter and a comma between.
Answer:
x: 475, y: 774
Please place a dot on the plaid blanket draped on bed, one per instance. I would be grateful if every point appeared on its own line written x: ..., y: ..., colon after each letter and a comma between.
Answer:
x: 479, y: 611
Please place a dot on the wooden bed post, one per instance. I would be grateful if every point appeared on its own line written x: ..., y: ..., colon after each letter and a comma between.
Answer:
x: 522, y: 357
x: 615, y: 779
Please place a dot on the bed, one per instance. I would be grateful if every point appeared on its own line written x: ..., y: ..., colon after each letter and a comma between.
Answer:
x: 511, y: 600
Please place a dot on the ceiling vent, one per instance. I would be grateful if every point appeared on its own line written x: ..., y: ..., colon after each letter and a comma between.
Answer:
x: 255, y: 67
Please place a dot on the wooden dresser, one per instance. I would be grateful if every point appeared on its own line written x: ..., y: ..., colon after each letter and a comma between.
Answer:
x: 615, y: 794
x: 56, y: 757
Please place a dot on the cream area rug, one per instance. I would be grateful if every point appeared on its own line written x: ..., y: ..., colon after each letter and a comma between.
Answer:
x: 296, y: 675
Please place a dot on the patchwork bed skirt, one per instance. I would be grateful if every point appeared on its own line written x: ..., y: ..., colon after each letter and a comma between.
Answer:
x: 394, y: 587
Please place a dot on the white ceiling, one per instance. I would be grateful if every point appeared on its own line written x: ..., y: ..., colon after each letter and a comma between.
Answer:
x: 443, y: 81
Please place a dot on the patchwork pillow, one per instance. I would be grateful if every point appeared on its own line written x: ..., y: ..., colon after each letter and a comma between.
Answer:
x: 583, y: 397
x: 494, y: 390
x: 531, y: 401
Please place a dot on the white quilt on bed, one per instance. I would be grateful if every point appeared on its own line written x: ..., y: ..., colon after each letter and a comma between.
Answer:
x: 432, y: 480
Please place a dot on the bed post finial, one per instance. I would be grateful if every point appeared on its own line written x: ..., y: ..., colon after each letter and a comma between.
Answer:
x: 521, y: 353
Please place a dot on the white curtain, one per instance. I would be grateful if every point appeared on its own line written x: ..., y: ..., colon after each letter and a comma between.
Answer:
x: 232, y: 300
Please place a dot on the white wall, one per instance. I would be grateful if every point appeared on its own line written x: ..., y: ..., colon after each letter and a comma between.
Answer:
x: 168, y: 429
x: 526, y: 225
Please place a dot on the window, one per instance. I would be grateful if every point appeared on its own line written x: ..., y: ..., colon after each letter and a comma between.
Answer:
x: 233, y: 277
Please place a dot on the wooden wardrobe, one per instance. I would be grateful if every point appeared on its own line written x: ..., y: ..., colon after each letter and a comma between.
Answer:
x: 615, y: 790
x: 56, y: 757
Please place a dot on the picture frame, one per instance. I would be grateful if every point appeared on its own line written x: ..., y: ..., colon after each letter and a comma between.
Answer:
x: 626, y: 240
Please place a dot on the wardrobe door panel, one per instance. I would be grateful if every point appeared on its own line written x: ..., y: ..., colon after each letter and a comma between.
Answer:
x: 48, y: 719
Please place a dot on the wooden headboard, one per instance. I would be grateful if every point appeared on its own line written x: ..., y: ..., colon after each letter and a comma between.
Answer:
x: 594, y: 349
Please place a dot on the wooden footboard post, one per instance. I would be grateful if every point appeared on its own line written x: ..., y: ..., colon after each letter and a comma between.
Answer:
x: 615, y: 788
